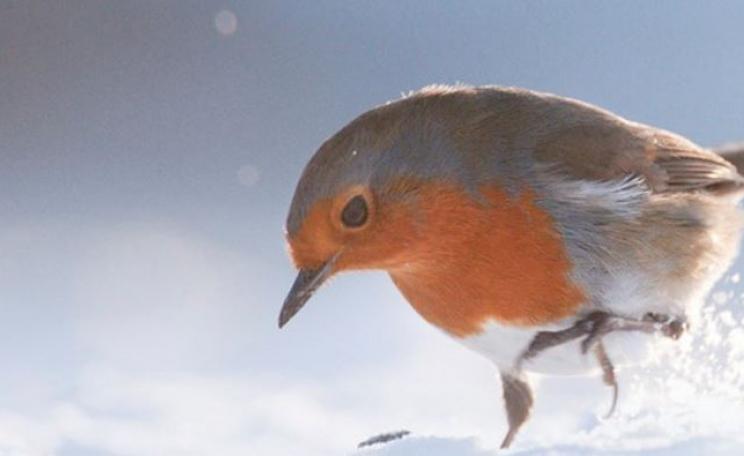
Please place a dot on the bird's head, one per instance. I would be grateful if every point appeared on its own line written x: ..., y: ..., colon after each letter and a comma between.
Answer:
x: 359, y: 202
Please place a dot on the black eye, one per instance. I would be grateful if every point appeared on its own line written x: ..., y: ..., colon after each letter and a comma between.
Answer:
x: 354, y: 214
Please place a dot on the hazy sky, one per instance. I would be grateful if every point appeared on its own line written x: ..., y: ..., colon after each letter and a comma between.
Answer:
x: 148, y: 153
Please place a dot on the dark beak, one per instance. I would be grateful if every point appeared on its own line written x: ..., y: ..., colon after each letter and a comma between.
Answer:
x: 307, y: 281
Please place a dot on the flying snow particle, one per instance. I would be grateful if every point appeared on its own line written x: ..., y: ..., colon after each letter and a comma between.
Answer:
x: 226, y: 22
x: 248, y: 175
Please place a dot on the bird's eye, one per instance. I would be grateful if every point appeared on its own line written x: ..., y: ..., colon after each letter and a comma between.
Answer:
x: 355, y: 214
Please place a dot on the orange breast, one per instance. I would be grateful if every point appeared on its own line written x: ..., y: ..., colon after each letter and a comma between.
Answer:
x: 475, y: 262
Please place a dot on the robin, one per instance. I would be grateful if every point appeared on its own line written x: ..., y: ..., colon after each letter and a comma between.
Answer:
x: 525, y: 225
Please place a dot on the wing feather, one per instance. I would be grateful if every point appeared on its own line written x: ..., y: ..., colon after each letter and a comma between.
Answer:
x: 616, y: 149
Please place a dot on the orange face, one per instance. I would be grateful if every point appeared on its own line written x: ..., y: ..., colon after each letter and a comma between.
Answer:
x: 381, y: 241
x: 459, y: 260
x: 356, y: 229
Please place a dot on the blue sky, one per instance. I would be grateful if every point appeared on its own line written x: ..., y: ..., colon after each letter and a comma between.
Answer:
x: 149, y: 153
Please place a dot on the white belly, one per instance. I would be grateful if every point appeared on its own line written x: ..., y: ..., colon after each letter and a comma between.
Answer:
x: 504, y: 344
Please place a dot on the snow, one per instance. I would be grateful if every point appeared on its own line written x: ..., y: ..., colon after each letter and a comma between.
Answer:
x: 433, y: 446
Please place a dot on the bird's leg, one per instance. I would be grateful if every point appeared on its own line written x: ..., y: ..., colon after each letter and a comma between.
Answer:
x: 518, y: 400
x: 547, y: 339
x: 595, y: 326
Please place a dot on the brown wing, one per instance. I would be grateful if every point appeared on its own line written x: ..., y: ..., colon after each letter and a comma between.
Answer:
x: 615, y: 149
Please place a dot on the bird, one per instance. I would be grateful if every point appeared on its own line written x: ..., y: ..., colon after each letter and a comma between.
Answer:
x: 530, y: 227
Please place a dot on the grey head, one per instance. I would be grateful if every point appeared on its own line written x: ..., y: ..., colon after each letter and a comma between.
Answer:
x: 437, y: 132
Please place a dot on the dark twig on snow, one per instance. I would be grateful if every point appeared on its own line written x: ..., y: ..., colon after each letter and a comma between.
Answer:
x: 383, y: 438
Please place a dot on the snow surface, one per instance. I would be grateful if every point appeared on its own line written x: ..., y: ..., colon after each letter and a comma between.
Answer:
x: 433, y: 446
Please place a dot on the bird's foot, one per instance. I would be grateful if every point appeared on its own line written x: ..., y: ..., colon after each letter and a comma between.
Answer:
x: 599, y: 324
x: 672, y: 327
x: 593, y: 328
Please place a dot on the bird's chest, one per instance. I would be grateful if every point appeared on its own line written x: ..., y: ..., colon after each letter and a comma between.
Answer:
x: 501, y: 263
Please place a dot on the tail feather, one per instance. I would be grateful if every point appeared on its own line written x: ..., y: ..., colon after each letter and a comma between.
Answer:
x: 734, y: 153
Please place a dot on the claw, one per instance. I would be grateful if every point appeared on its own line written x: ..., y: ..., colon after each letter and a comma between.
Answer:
x: 608, y: 375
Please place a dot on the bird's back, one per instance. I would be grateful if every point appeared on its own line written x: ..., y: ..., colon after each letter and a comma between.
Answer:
x: 525, y: 129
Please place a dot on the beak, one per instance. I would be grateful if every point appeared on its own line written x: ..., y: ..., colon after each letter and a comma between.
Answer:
x: 307, y: 281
